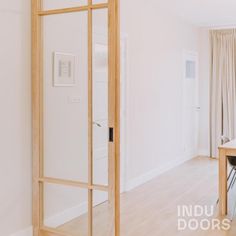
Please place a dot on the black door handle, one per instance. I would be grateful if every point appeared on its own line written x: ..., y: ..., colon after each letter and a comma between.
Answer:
x: 111, y: 134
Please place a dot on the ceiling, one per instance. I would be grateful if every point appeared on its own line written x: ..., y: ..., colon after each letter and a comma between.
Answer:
x: 208, y: 13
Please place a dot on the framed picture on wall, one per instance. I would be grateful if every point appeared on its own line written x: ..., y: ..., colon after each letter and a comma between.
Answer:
x: 64, y: 69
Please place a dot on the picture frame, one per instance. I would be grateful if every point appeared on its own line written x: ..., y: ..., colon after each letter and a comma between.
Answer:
x: 63, y: 69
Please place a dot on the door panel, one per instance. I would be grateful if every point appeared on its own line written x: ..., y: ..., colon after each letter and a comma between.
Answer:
x: 65, y: 102
x: 190, y: 104
x: 99, y: 1
x: 64, y: 206
x: 100, y: 97
x: 75, y: 77
x: 102, y: 214
x: 57, y: 4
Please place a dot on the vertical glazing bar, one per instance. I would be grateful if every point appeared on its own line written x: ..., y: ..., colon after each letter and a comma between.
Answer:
x: 36, y: 116
x: 114, y: 114
x: 90, y: 118
x: 41, y: 121
x: 117, y: 116
x: 110, y: 118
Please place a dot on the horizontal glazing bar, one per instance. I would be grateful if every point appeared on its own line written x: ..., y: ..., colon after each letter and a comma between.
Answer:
x: 72, y: 9
x: 73, y: 183
x: 52, y: 231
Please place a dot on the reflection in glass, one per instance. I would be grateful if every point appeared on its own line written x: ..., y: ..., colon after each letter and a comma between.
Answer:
x: 99, y: 1
x: 58, y: 4
x: 65, y: 81
x: 102, y: 218
x: 65, y: 208
x: 100, y: 97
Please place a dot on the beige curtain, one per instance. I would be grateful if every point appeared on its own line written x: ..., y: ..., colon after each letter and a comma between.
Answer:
x: 223, y: 87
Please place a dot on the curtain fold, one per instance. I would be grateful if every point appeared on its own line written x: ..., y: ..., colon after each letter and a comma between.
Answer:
x: 223, y: 87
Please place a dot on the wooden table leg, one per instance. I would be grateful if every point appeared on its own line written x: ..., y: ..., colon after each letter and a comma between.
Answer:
x: 223, y: 198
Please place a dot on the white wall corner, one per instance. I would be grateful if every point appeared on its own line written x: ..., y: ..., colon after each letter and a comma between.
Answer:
x: 136, y: 182
x: 204, y: 152
x: 25, y: 232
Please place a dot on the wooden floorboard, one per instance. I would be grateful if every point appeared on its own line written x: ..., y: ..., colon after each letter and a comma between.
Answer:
x: 151, y: 209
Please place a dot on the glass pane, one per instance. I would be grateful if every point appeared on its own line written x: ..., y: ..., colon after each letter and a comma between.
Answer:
x: 63, y: 206
x: 57, y: 4
x: 100, y: 96
x: 99, y: 1
x: 102, y: 218
x: 66, y: 96
x: 190, y: 72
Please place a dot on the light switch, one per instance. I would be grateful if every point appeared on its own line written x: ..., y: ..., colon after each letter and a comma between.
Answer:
x: 74, y: 99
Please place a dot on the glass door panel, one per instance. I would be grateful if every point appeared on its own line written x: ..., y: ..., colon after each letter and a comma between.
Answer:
x: 65, y: 208
x: 65, y: 84
x: 99, y: 1
x: 100, y: 97
x: 102, y: 215
x: 74, y: 71
x: 57, y: 4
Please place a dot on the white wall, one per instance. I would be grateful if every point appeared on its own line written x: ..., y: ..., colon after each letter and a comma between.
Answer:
x: 15, y: 125
x: 156, y: 42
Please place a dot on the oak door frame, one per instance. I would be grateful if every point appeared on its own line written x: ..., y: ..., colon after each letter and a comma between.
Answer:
x: 114, y: 108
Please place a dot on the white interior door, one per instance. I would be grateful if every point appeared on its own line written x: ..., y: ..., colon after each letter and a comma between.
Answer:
x: 190, y: 104
x: 100, y: 113
x: 100, y: 110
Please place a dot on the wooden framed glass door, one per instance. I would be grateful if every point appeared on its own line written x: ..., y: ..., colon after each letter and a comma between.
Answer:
x: 75, y: 103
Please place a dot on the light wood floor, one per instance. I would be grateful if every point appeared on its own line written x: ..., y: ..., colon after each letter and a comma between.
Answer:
x: 151, y: 209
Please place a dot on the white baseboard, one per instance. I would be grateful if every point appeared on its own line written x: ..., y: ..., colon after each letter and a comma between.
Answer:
x: 58, y: 219
x: 134, y: 183
x: 204, y: 152
x: 25, y: 232
x: 67, y: 215
x: 73, y: 212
